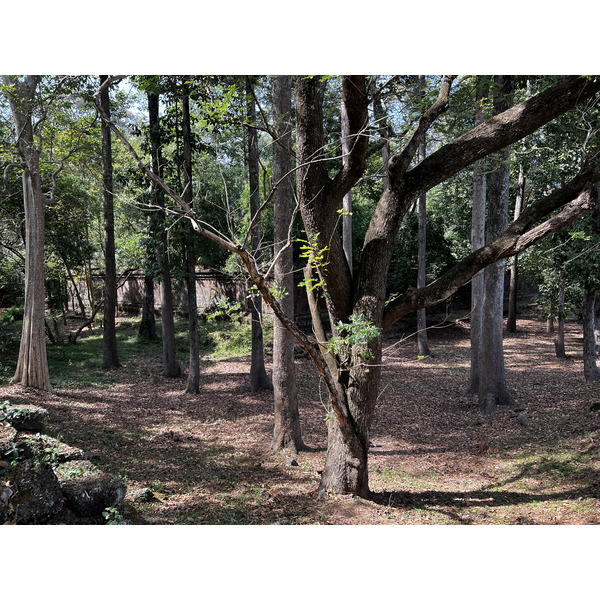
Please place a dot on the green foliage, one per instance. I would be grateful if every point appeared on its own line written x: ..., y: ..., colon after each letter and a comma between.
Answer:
x: 316, y: 258
x: 223, y: 309
x: 112, y: 516
x: 355, y: 335
x: 14, y: 313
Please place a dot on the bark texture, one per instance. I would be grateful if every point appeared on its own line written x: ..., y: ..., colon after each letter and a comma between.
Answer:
x: 477, y: 242
x: 492, y: 383
x: 109, y: 333
x: 286, y: 432
x: 32, y: 364
x: 590, y: 367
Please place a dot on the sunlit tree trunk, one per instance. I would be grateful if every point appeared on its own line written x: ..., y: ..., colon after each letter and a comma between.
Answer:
x: 32, y: 364
x: 109, y: 335
x: 286, y: 433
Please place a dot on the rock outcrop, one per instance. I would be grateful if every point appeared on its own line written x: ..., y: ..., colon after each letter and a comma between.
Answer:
x: 44, y: 481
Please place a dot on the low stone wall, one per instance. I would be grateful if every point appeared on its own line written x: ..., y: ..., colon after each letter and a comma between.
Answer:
x: 44, y: 481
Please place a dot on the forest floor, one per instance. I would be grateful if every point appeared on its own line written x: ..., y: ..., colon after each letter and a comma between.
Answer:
x: 435, y: 459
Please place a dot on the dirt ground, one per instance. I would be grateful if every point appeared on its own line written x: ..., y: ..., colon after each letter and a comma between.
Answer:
x: 435, y: 458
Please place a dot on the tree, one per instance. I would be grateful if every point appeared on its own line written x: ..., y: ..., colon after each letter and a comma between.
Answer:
x: 511, y: 318
x: 492, y: 378
x: 171, y: 366
x: 109, y: 335
x: 477, y: 241
x: 193, y: 381
x: 259, y: 380
x: 347, y: 201
x: 590, y: 301
x: 286, y: 433
x: 422, y: 338
x: 350, y: 365
x: 32, y: 365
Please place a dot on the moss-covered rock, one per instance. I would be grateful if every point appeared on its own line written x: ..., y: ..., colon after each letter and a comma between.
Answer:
x: 88, y: 491
x: 37, y: 493
x: 26, y: 417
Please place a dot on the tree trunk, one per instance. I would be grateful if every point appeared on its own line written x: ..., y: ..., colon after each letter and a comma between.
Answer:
x: 286, y: 433
x: 32, y: 364
x: 171, y: 366
x: 109, y: 333
x: 147, y: 328
x: 477, y: 241
x: 347, y: 201
x: 559, y: 343
x: 492, y: 385
x: 259, y: 380
x: 511, y: 319
x: 193, y: 381
x: 422, y: 338
x: 346, y: 462
x: 590, y: 367
x: 597, y: 326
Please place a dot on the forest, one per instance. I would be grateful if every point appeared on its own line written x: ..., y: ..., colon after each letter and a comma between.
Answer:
x: 300, y: 299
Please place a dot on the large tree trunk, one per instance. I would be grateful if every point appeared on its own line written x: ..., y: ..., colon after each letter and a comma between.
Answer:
x: 32, y: 364
x: 109, y: 333
x: 492, y: 385
x: 259, y: 380
x: 511, y: 319
x: 477, y: 241
x: 171, y: 366
x: 590, y: 312
x: 286, y: 433
x: 193, y: 381
x: 346, y: 464
x: 590, y: 367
